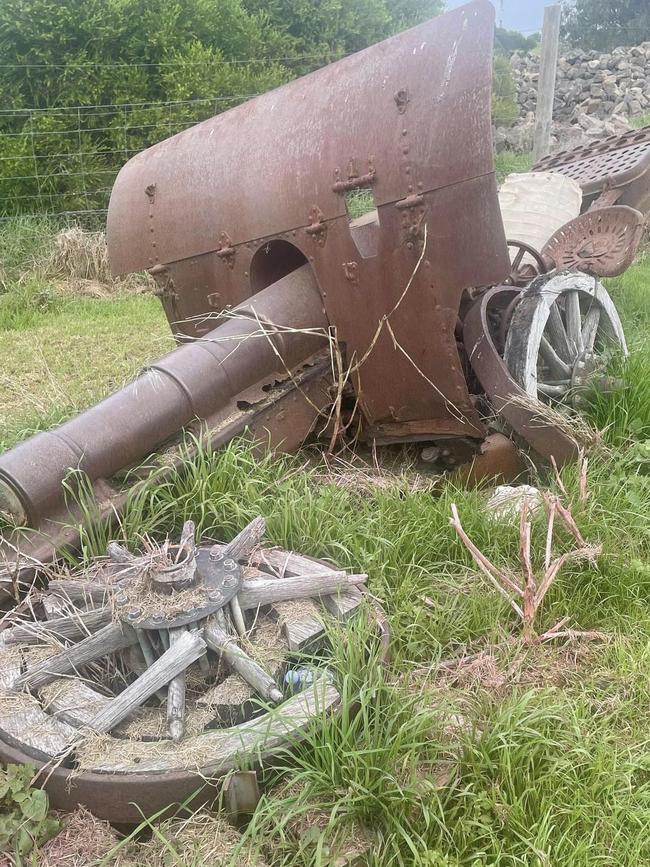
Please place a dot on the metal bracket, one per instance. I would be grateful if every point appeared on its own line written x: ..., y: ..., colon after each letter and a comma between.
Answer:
x: 165, y: 289
x: 412, y: 201
x: 355, y: 180
x: 413, y: 209
x: 225, y: 250
x: 241, y: 794
x: 317, y: 228
x: 219, y: 580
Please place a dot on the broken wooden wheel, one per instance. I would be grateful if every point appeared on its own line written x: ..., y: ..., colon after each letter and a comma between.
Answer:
x: 179, y: 660
x: 562, y: 334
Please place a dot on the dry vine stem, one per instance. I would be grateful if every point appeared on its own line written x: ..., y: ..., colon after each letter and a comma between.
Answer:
x: 526, y: 593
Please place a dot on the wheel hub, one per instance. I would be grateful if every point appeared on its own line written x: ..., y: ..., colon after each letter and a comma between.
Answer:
x: 214, y: 582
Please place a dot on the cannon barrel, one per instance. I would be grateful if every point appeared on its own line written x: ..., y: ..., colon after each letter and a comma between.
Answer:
x: 261, y: 339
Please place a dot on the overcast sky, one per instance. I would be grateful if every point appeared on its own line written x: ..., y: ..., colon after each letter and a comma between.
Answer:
x: 523, y: 15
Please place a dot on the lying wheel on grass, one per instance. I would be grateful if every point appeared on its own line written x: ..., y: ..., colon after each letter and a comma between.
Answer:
x: 561, y: 336
x: 150, y: 672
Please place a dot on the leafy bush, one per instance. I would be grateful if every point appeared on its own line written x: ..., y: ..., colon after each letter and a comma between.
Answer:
x: 24, y: 820
x: 512, y: 40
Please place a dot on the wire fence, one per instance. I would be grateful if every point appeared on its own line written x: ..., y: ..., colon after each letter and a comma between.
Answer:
x: 63, y: 160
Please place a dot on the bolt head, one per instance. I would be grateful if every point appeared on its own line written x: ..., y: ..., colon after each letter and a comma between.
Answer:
x: 229, y: 565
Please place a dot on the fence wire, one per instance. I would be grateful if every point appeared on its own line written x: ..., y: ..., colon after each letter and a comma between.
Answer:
x: 65, y: 159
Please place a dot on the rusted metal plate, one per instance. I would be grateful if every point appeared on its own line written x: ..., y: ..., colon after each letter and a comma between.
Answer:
x: 265, y: 183
x: 617, y: 166
x: 256, y: 170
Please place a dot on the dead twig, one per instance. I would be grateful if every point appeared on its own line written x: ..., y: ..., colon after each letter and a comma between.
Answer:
x: 529, y: 588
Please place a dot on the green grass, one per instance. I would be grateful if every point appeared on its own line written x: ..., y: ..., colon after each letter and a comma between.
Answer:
x: 537, y: 757
x: 550, y: 765
x: 625, y: 414
x: 61, y: 350
x: 508, y: 162
x: 642, y: 120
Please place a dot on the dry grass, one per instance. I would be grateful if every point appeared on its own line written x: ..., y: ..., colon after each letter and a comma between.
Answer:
x: 575, y: 425
x: 202, y: 840
x: 80, y: 260
x: 82, y: 841
x: 355, y: 473
x: 342, y: 843
x: 500, y: 670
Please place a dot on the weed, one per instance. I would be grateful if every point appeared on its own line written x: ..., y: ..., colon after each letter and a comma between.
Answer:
x: 508, y: 162
x: 24, y: 820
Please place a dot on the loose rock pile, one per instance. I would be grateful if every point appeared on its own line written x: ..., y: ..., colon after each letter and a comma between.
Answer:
x: 596, y: 95
x: 564, y: 134
x: 588, y: 82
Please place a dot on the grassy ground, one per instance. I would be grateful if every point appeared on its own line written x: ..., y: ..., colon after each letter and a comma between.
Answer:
x: 508, y: 162
x: 470, y: 748
x: 61, y: 345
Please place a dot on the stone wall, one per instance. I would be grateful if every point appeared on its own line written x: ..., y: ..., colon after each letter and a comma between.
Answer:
x: 600, y: 85
x: 596, y: 95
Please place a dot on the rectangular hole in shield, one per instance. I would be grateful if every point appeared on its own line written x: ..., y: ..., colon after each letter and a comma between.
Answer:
x: 363, y: 219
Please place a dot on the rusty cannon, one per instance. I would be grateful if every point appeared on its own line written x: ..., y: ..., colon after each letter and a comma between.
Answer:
x: 269, y: 273
x: 330, y: 253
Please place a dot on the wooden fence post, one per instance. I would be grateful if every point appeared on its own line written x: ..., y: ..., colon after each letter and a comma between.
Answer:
x: 546, y: 83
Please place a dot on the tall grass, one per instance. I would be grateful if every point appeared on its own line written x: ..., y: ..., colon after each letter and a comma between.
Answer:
x: 624, y: 412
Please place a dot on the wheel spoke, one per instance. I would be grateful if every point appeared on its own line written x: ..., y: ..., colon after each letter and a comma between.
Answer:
x: 517, y: 260
x: 554, y: 389
x: 557, y: 335
x: 555, y: 364
x: 108, y: 640
x: 573, y: 321
x: 590, y: 327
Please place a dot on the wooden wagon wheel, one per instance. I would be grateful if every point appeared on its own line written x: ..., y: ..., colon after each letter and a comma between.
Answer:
x: 183, y: 662
x: 521, y: 273
x: 562, y: 334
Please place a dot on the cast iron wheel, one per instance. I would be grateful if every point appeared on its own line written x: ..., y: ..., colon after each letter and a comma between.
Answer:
x: 562, y: 334
x: 521, y: 273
